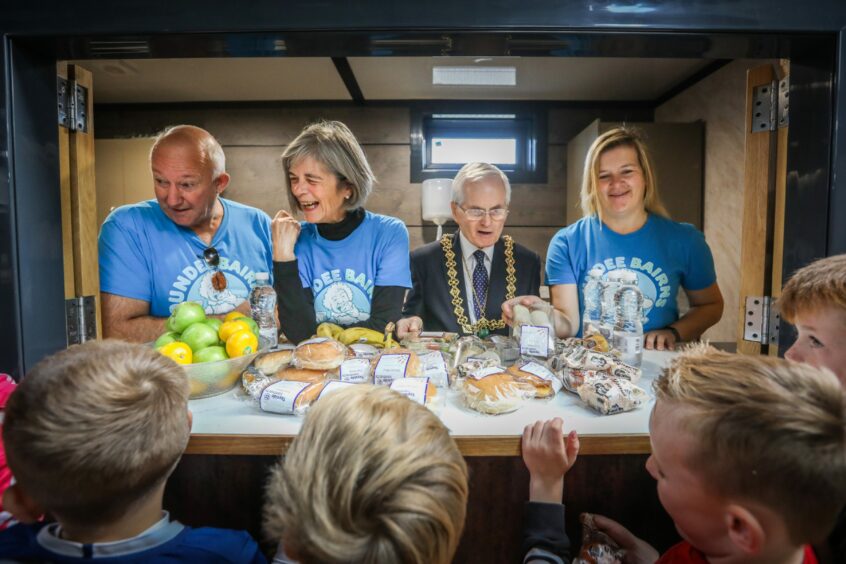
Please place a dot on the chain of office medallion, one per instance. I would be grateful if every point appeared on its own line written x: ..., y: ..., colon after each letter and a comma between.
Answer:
x: 455, y: 292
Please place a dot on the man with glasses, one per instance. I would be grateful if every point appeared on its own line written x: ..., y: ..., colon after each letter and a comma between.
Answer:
x: 460, y: 282
x: 187, y: 244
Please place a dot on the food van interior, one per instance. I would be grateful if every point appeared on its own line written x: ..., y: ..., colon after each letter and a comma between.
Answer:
x: 687, y: 76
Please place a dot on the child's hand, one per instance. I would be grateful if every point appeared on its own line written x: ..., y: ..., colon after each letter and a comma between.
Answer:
x: 548, y: 457
x: 637, y: 551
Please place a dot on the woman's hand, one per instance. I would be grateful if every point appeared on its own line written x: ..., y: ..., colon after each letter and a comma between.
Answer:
x: 548, y: 456
x: 660, y: 340
x: 409, y: 327
x: 284, y: 230
x: 508, y: 306
x: 637, y: 551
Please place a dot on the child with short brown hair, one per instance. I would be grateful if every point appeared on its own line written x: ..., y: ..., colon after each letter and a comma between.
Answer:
x: 814, y: 300
x: 750, y: 458
x: 92, y: 434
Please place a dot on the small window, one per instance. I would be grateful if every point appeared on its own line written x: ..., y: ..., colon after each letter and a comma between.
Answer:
x: 448, y: 141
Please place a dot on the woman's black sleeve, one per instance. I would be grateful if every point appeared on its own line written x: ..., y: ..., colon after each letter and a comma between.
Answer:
x: 385, y: 306
x: 295, y: 303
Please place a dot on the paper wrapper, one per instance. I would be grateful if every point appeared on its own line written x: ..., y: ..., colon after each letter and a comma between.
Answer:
x: 611, y: 395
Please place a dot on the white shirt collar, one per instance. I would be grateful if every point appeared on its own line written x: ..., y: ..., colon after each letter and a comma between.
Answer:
x: 468, y: 248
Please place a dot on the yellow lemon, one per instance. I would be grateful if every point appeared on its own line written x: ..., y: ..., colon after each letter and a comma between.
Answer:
x: 241, y: 343
x: 231, y: 327
x: 233, y: 315
x: 178, y: 352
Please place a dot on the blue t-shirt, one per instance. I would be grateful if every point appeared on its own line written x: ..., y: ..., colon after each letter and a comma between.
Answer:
x: 165, y: 542
x: 665, y: 255
x: 342, y: 274
x: 146, y: 256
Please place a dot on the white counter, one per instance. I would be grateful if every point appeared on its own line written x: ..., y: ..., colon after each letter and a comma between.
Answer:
x: 232, y: 424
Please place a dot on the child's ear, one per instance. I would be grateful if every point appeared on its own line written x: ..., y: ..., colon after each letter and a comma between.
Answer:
x: 190, y: 419
x: 744, y: 529
x: 21, y: 506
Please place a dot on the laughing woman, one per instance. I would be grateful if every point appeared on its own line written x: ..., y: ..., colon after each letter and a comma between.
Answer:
x: 342, y: 264
x: 626, y: 226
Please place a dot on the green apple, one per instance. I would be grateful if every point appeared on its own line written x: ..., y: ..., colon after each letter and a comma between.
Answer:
x: 199, y: 336
x: 251, y: 322
x: 210, y: 354
x: 215, y: 324
x: 184, y: 315
x: 166, y: 338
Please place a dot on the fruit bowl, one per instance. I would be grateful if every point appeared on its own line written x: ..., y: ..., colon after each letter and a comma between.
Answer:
x: 212, y: 378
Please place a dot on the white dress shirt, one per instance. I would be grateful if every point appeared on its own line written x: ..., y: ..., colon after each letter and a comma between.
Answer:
x: 469, y: 265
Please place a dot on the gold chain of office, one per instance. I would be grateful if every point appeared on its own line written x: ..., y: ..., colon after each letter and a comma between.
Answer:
x: 483, y: 326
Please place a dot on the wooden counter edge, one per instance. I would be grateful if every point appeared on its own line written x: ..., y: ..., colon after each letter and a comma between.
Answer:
x: 273, y: 445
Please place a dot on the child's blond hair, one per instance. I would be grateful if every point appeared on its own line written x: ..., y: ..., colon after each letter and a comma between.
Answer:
x: 94, y: 428
x: 765, y: 430
x: 820, y: 285
x: 371, y: 477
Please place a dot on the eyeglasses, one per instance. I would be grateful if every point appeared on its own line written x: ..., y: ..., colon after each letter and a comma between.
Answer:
x: 212, y: 258
x: 476, y: 214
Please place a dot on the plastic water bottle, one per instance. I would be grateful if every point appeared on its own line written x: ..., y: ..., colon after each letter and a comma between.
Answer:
x: 628, y: 329
x: 609, y: 311
x: 263, y: 309
x: 593, y: 302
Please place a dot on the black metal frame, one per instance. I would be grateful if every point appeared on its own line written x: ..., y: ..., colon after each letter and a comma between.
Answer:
x: 36, y: 35
x: 530, y: 125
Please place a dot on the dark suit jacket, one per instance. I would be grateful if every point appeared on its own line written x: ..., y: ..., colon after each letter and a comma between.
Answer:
x: 429, y: 297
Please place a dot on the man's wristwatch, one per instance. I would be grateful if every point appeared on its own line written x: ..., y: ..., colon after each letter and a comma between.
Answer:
x: 675, y: 333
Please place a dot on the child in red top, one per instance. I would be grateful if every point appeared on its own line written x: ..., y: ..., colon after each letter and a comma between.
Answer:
x: 7, y: 386
x: 750, y: 458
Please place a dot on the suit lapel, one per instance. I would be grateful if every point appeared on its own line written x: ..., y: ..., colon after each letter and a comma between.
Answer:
x: 496, y: 284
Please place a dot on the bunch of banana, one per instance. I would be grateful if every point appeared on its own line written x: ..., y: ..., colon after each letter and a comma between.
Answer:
x: 361, y: 335
x: 329, y: 330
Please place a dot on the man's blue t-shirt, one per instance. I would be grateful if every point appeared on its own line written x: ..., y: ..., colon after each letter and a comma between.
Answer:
x: 342, y: 274
x: 665, y: 255
x: 146, y: 256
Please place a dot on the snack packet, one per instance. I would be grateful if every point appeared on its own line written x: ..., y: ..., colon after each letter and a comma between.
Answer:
x: 611, y: 395
x: 597, y: 547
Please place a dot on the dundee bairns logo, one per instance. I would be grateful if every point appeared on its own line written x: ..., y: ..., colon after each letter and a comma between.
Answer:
x: 652, y: 280
x: 194, y: 284
x: 344, y: 300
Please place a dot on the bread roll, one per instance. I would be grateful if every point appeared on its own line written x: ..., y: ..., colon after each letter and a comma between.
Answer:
x: 321, y: 353
x: 394, y: 364
x: 302, y: 374
x: 271, y: 362
x: 495, y: 393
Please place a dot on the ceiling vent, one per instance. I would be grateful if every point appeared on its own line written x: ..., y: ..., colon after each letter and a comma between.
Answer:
x: 475, y: 76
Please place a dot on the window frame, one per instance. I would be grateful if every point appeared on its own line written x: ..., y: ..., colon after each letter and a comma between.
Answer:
x: 528, y: 126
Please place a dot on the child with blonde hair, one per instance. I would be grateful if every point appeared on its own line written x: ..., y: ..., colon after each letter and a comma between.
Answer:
x: 92, y: 434
x: 372, y: 477
x: 749, y: 454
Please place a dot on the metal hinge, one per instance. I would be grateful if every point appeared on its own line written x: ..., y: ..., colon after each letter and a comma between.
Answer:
x: 81, y: 319
x: 763, y: 320
x: 771, y: 105
x: 72, y: 101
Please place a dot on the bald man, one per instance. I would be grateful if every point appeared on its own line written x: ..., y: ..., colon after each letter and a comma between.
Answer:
x: 187, y: 244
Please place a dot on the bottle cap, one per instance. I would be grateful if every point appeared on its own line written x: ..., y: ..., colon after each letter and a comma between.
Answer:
x: 262, y: 276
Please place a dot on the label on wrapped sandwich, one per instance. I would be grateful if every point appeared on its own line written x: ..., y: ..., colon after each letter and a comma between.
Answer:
x: 534, y: 340
x: 389, y: 367
x: 332, y: 387
x: 412, y: 388
x: 281, y: 397
x: 487, y: 371
x: 435, y: 368
x: 355, y: 370
x: 543, y: 373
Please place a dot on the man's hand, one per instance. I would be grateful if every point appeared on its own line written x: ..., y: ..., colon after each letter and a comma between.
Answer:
x: 409, y: 327
x: 548, y: 457
x: 285, y: 230
x: 637, y: 551
x: 508, y: 306
x: 660, y: 340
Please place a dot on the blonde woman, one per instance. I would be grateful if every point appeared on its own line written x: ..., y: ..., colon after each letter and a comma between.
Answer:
x: 342, y: 264
x: 625, y: 225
